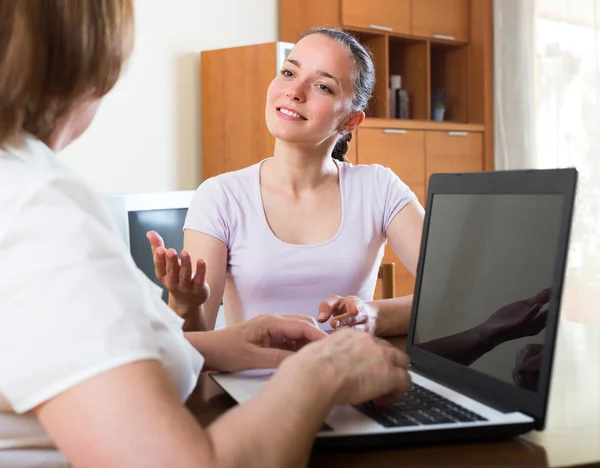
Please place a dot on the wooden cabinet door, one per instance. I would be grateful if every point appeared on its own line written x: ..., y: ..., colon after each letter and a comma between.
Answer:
x: 232, y: 138
x: 297, y: 16
x: 453, y: 152
x: 403, y: 151
x: 444, y: 19
x: 383, y: 15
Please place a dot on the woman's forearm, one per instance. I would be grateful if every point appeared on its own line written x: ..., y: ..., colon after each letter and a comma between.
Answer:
x: 277, y: 427
x: 193, y: 316
x: 207, y: 344
x: 393, y: 315
x: 152, y: 428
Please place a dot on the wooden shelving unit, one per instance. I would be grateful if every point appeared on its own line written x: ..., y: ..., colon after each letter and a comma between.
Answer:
x: 429, y: 43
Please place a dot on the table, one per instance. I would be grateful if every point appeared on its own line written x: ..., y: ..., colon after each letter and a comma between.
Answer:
x: 571, y: 437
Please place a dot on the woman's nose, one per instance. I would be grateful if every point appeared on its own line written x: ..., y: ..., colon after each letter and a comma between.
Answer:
x: 296, y: 92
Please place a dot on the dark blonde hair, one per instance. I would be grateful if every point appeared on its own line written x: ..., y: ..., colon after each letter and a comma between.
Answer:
x: 56, y: 52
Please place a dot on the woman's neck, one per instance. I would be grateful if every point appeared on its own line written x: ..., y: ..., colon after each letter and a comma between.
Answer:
x: 298, y: 169
x: 72, y: 123
x: 59, y: 139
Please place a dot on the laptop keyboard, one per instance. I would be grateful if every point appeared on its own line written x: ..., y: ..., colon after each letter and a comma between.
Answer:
x: 419, y: 407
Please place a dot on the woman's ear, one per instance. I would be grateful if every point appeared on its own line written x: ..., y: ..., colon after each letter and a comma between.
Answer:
x: 354, y: 121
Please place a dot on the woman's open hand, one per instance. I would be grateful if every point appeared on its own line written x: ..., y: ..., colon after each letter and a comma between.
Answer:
x: 187, y: 290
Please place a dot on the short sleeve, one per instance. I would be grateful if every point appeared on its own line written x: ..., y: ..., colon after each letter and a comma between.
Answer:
x: 209, y: 211
x: 394, y: 194
x: 71, y: 305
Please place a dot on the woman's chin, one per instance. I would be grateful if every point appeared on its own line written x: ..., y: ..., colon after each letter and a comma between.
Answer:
x: 289, y: 136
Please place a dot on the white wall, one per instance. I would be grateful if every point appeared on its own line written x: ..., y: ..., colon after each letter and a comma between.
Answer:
x: 146, y: 136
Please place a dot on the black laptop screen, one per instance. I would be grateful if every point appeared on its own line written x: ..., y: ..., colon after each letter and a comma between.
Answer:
x: 486, y: 274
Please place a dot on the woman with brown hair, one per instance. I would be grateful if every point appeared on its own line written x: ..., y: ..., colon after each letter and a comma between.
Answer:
x: 91, y: 360
x: 302, y: 231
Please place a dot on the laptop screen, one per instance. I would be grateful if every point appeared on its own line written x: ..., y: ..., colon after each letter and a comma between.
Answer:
x: 486, y: 274
x: 168, y: 223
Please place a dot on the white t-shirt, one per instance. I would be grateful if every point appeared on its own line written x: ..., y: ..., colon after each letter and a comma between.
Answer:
x: 268, y: 275
x: 73, y: 304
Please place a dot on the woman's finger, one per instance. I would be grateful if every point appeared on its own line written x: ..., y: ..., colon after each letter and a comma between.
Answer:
x: 399, y: 383
x: 172, y: 278
x: 200, y: 275
x: 352, y: 320
x: 155, y: 240
x: 399, y: 359
x: 292, y: 329
x: 160, y: 263
x: 388, y: 399
x: 346, y: 313
x: 306, y: 318
x: 268, y: 358
x: 347, y: 306
x: 185, y: 271
x: 327, y: 307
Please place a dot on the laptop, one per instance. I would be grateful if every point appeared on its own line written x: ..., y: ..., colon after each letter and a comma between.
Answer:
x: 484, y: 317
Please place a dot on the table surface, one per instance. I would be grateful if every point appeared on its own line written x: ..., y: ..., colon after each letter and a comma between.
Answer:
x: 571, y: 437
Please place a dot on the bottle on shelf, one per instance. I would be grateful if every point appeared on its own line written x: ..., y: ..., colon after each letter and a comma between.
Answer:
x: 399, y: 100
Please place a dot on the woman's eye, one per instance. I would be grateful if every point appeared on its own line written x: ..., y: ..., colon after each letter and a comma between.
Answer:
x: 286, y: 73
x: 322, y: 87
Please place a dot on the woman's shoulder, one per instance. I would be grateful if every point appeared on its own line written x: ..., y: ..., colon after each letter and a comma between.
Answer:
x: 31, y: 176
x: 232, y: 182
x: 27, y: 162
x: 227, y: 193
x: 367, y: 173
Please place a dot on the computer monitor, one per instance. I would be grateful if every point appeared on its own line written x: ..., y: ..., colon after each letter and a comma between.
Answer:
x: 163, y: 212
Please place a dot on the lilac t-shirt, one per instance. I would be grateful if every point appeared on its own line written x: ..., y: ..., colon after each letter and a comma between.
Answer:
x: 268, y: 276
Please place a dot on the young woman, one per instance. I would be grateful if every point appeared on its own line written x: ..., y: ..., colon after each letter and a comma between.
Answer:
x: 92, y: 361
x: 301, y: 232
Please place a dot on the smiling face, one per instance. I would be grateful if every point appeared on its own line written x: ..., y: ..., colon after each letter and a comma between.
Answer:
x: 311, y: 97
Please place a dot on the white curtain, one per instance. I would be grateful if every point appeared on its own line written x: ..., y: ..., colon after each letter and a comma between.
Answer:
x: 547, y: 114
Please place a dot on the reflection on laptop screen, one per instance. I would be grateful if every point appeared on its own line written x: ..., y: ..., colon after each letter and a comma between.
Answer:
x: 168, y: 223
x: 487, y: 269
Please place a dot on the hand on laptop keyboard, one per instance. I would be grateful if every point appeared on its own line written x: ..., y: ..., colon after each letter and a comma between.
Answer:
x: 356, y: 366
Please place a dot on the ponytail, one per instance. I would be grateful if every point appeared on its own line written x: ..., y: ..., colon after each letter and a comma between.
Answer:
x: 341, y: 148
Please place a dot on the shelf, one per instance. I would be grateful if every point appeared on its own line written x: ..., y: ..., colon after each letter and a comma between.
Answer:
x: 378, y: 45
x: 449, y: 71
x: 421, y: 125
x: 409, y: 59
x: 424, y: 67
